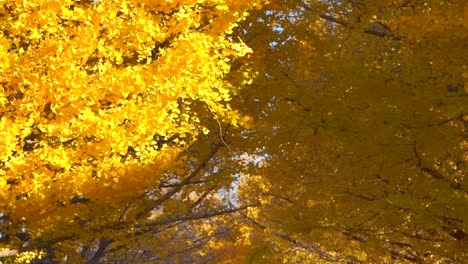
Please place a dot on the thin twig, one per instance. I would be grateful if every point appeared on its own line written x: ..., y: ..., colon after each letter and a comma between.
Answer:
x: 221, y: 135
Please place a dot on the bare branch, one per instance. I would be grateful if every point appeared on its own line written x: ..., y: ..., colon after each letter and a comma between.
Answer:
x: 186, y: 181
x: 169, y: 185
x: 322, y: 254
x: 33, y: 246
x: 199, y: 200
x: 375, y: 29
x: 9, y: 253
x: 281, y: 197
x: 199, y: 216
x: 103, y: 244
x: 197, y: 244
x: 371, y: 197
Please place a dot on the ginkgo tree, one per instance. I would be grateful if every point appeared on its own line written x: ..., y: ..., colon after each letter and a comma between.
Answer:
x: 360, y: 115
x: 99, y: 101
x: 287, y: 131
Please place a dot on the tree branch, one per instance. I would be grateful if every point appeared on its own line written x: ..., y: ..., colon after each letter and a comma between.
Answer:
x: 376, y: 29
x: 435, y: 173
x: 169, y: 185
x: 9, y: 253
x: 322, y: 254
x: 197, y: 244
x: 103, y: 244
x: 34, y: 246
x: 186, y: 181
x: 202, y: 197
x: 199, y: 216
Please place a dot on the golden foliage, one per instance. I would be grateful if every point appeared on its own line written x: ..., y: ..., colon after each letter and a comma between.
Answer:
x: 293, y: 131
x: 92, y: 91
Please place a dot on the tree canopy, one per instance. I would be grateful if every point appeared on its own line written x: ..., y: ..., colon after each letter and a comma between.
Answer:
x: 220, y: 131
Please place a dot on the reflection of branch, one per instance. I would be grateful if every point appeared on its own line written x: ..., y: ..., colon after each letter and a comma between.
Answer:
x: 372, y: 197
x: 187, y: 180
x: 427, y: 170
x: 416, y: 155
x: 435, y: 173
x: 432, y: 172
x: 374, y: 215
x: 421, y: 237
x: 399, y: 244
x: 459, y: 117
x: 443, y: 122
x: 411, y: 257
